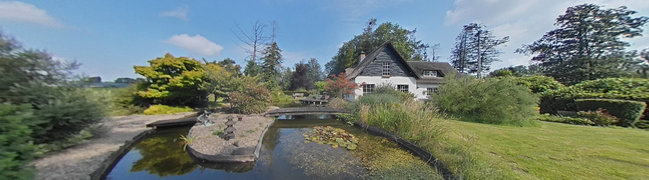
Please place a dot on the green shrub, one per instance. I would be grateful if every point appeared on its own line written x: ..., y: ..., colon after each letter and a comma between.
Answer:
x: 539, y: 84
x: 252, y: 97
x: 66, y: 115
x: 623, y: 86
x: 16, y: 148
x: 164, y: 109
x: 610, y: 88
x: 564, y: 119
x: 627, y: 111
x: 118, y: 101
x: 493, y: 100
x: 599, y: 117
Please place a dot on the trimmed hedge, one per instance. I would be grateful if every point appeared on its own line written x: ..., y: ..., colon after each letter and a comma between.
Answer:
x: 629, y: 112
x: 564, y: 99
x: 564, y: 119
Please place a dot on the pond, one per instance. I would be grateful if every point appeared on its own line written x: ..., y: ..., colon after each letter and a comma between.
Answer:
x: 285, y: 154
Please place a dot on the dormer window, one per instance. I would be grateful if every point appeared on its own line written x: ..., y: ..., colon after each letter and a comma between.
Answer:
x: 430, y: 74
x: 386, y: 69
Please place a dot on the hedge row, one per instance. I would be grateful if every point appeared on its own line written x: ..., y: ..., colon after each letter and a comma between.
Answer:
x: 564, y: 99
x: 628, y: 112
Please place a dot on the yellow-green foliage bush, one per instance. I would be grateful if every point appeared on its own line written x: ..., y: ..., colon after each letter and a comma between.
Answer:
x: 164, y: 109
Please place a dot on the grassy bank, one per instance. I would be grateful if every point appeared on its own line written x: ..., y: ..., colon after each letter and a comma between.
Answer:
x: 549, y: 151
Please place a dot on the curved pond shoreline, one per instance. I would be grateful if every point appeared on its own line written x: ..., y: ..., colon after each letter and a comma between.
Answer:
x: 79, y: 161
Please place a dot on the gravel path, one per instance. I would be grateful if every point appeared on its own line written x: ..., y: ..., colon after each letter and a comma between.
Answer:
x: 79, y: 161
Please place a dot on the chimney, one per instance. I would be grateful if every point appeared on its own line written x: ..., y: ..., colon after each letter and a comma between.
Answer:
x: 362, y: 56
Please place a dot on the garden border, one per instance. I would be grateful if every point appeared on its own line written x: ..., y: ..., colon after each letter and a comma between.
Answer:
x: 112, y: 159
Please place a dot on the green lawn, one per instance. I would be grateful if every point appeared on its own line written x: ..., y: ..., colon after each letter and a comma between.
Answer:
x: 547, y: 151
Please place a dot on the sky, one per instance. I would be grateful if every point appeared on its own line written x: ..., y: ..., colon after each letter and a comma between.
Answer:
x: 110, y: 37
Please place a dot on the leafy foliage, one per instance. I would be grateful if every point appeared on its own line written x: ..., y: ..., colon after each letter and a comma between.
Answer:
x: 493, y: 101
x: 587, y: 44
x: 173, y: 81
x: 539, y: 84
x: 164, y: 109
x: 32, y: 77
x: 564, y: 99
x: 339, y: 86
x: 250, y: 97
x: 628, y: 112
x: 16, y: 148
x: 402, y: 39
x: 475, y: 49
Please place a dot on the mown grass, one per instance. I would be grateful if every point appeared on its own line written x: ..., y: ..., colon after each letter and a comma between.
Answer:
x: 546, y: 151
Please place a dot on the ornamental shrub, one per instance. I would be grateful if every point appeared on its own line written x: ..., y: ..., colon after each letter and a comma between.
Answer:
x: 628, y: 112
x: 493, y: 100
x: 539, y: 84
x: 599, y: 117
x: 251, y: 96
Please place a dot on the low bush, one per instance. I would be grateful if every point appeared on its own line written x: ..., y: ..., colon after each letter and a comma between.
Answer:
x: 16, y: 148
x: 278, y: 98
x: 599, y: 117
x: 65, y: 116
x: 337, y: 103
x: 251, y: 97
x: 492, y: 101
x: 164, y: 109
x: 565, y: 119
x: 539, y: 84
x: 628, y: 112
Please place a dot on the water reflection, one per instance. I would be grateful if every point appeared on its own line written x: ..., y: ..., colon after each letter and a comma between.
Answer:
x: 163, y: 155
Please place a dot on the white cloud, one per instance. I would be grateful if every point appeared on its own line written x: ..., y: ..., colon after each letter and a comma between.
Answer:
x: 23, y: 12
x: 197, y: 44
x: 180, y: 13
x: 526, y: 21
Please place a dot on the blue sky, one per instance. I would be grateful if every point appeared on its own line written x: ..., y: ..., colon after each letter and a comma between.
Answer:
x: 110, y: 37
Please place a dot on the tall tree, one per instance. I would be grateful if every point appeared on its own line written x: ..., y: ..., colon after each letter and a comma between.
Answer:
x: 476, y: 49
x: 403, y: 40
x: 285, y: 78
x: 315, y: 73
x: 271, y: 65
x: 587, y: 43
x: 252, y: 68
x: 299, y: 78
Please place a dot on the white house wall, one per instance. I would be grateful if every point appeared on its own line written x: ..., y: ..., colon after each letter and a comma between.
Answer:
x: 417, y: 90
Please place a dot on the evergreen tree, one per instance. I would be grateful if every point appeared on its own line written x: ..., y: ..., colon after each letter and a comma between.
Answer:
x: 252, y: 68
x: 271, y: 65
x: 587, y: 44
x: 476, y: 49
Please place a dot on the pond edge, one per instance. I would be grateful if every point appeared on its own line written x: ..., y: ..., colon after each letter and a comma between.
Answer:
x: 109, y: 163
x: 413, y: 148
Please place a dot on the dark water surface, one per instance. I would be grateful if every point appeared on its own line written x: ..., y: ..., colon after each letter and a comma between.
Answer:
x: 284, y: 155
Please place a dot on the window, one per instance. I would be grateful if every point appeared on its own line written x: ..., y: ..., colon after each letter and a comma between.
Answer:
x: 386, y: 69
x: 430, y: 91
x: 430, y: 74
x: 402, y: 88
x: 368, y: 88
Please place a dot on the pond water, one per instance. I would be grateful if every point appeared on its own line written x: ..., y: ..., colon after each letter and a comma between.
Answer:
x: 285, y: 154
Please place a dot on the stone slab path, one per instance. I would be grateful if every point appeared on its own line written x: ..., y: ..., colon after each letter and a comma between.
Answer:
x: 81, y: 160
